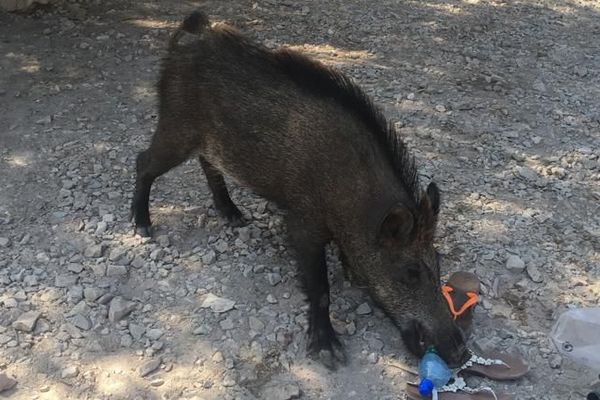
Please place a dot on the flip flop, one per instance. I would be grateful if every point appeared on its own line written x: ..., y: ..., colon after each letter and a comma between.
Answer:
x: 412, y: 392
x: 462, y: 293
x: 512, y: 366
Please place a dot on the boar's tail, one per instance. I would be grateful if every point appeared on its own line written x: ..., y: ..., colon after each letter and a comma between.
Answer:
x: 193, y: 23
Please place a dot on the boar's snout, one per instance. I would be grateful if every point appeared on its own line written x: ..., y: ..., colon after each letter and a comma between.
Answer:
x: 449, y: 342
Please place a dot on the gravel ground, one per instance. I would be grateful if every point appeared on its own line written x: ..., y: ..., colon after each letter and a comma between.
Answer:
x: 498, y: 99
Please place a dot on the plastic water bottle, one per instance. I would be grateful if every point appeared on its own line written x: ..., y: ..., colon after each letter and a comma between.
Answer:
x: 434, y: 373
x: 576, y: 334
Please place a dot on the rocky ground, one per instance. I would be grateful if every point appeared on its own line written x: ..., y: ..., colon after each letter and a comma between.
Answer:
x: 498, y: 99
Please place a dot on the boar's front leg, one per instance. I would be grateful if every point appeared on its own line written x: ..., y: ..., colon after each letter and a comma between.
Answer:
x: 309, y: 243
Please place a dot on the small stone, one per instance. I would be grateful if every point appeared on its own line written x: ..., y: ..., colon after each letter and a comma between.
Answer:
x: 117, y: 253
x: 221, y: 246
x: 137, y: 331
x: 271, y: 299
x: 44, y: 120
x: 217, y: 357
x: 555, y: 362
x: 119, y: 308
x: 163, y: 240
x: 351, y: 328
x: 157, y: 382
x: 154, y: 333
x: 534, y: 273
x: 26, y: 322
x: 82, y: 322
x: 65, y: 281
x: 101, y: 227
x: 149, y: 366
x: 281, y: 391
x: 10, y: 302
x: 440, y: 108
x: 515, y: 264
x: 363, y: 309
x: 6, y: 382
x: 76, y: 268
x: 227, y: 324
x: 69, y: 372
x: 217, y: 304
x: 209, y: 257
x: 229, y: 379
x: 202, y: 330
x: 94, y: 251
x: 4, y: 242
x: 273, y: 278
x: 256, y: 324
x: 92, y: 293
x: 373, y: 358
x: 116, y: 270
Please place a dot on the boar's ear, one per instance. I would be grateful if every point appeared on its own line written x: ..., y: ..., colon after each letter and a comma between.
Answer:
x: 429, y: 208
x: 433, y: 194
x: 396, y: 226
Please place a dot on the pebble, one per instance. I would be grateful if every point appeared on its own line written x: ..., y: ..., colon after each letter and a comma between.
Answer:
x: 515, y: 264
x: 555, y: 361
x: 154, y: 333
x: 157, y: 382
x: 534, y: 273
x: 4, y: 242
x: 69, y: 372
x: 116, y: 270
x: 82, y: 322
x: 6, y: 382
x: 94, y: 251
x: 119, y: 308
x: 281, y: 391
x: 227, y: 324
x: 92, y: 293
x: 271, y: 299
x: 217, y: 304
x: 363, y: 309
x: 136, y: 330
x: 10, y: 302
x: 26, y: 322
x: 65, y: 280
x: 273, y: 278
x: 148, y: 367
x: 256, y: 324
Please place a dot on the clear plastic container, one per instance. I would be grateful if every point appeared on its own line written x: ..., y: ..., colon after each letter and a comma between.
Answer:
x: 576, y: 334
x: 434, y: 373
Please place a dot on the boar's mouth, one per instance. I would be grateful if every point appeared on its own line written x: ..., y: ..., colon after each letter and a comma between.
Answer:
x: 417, y: 338
x: 413, y: 334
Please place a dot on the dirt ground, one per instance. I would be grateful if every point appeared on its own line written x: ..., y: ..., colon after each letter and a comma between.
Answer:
x: 497, y: 99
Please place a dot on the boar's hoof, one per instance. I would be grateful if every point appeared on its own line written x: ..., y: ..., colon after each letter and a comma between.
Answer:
x: 236, y: 221
x: 143, y: 231
x: 329, y: 352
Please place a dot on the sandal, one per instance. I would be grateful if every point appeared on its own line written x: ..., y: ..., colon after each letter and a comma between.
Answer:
x: 462, y: 293
x: 495, y: 365
x: 454, y: 392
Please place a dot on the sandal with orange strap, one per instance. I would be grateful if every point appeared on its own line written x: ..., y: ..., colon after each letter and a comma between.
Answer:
x: 462, y: 293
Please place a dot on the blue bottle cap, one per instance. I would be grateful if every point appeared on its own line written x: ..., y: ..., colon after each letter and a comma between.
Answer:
x: 425, y: 387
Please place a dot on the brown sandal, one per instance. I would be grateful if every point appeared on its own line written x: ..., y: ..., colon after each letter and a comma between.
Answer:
x: 412, y: 392
x: 511, y: 366
x: 462, y: 293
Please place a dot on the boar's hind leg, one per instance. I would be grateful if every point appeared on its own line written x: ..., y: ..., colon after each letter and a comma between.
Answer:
x: 221, y: 198
x: 310, y: 247
x: 151, y: 164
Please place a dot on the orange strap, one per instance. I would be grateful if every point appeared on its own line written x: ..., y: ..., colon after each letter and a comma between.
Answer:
x: 446, y: 290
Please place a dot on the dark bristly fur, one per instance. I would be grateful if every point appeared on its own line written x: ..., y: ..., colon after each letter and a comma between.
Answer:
x: 324, y: 81
x: 308, y: 138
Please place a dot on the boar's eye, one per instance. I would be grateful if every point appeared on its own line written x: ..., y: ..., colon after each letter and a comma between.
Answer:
x: 410, y: 275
